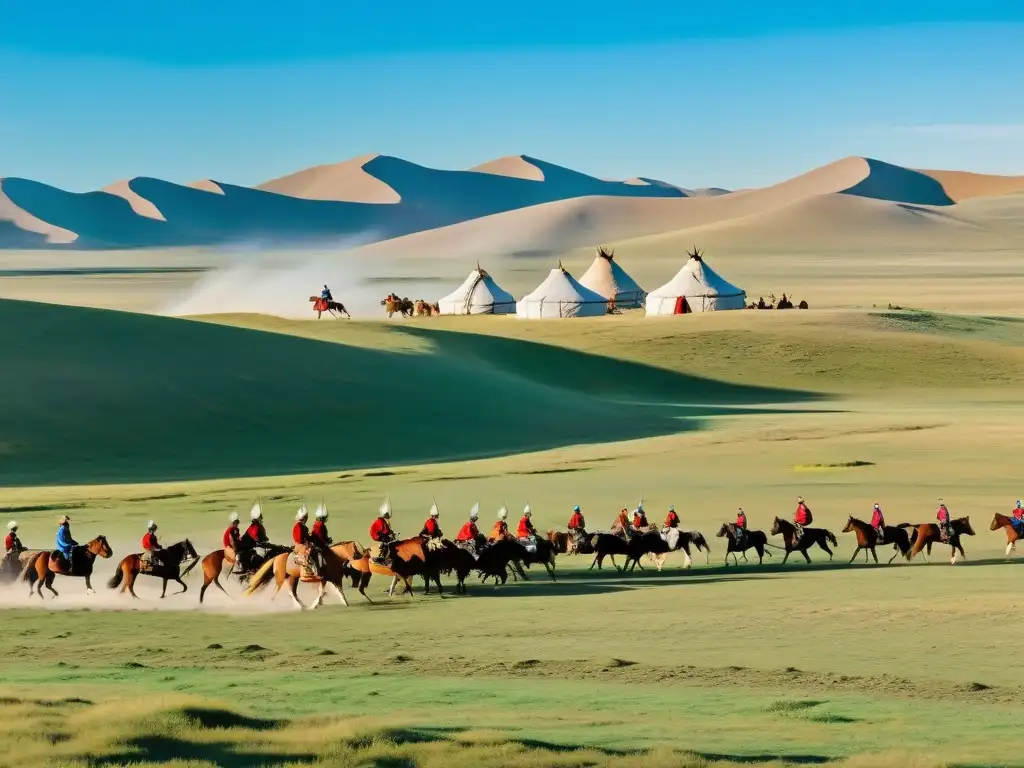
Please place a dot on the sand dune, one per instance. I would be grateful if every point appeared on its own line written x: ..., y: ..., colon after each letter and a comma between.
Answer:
x: 515, y: 204
x: 347, y: 182
x: 962, y: 185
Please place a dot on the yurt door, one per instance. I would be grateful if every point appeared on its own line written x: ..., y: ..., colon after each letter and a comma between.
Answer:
x: 682, y: 307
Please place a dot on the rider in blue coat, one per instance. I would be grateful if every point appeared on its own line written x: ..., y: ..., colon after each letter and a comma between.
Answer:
x: 65, y: 543
x: 325, y: 294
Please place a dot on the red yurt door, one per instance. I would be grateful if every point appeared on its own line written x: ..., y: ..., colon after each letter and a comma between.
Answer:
x: 682, y: 308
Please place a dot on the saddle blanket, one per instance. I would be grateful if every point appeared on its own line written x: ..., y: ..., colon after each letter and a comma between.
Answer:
x: 529, y: 544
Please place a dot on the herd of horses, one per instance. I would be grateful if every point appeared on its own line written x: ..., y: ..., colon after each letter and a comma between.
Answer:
x: 429, y: 559
x: 393, y: 304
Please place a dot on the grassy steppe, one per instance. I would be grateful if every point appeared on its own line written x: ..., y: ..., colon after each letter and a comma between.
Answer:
x: 910, y: 664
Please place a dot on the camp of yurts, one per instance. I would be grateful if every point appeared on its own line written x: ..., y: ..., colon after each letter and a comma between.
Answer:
x: 607, y: 278
x: 695, y: 288
x: 478, y: 295
x: 561, y: 295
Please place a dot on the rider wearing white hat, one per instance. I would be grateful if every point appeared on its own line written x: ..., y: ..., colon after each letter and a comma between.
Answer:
x: 469, y: 532
x: 151, y: 546
x: 252, y: 543
x: 319, y: 531
x: 381, y: 532
x: 526, y: 529
x: 12, y: 544
x: 231, y: 535
x: 431, y: 530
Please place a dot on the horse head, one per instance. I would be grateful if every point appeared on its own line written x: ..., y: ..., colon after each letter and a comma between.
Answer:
x: 851, y: 525
x: 723, y: 531
x: 999, y: 521
x: 965, y: 523
x: 777, y: 526
x: 100, y: 546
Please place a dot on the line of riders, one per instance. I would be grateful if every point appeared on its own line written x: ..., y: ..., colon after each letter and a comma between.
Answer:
x: 252, y: 547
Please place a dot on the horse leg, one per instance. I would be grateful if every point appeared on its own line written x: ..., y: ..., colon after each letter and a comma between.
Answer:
x: 806, y: 556
x: 855, y: 553
x: 363, y: 583
x: 394, y: 583
x: 339, y: 591
x: 321, y: 593
x: 129, y: 583
x: 437, y: 581
x: 895, y: 552
x: 49, y: 585
x: 824, y: 545
x: 786, y: 557
x: 597, y: 562
x: 88, y: 585
x: 760, y: 554
x: 688, y: 562
x: 184, y: 586
x: 1009, y: 548
x: 163, y: 592
x: 874, y: 555
x: 293, y: 589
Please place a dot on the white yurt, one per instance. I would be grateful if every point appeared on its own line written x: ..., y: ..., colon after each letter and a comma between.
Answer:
x: 561, y: 295
x: 478, y: 295
x: 606, y: 278
x: 695, y: 288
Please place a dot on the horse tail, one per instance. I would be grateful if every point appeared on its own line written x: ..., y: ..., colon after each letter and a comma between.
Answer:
x: 261, y: 578
x: 28, y: 573
x: 115, y: 580
x: 832, y: 538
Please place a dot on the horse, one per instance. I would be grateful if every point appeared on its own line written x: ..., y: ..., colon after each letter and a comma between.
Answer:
x: 409, y: 559
x: 544, y: 554
x: 1012, y: 536
x: 394, y: 304
x: 423, y: 307
x: 926, y: 534
x: 41, y: 569
x: 321, y: 305
x: 447, y: 558
x: 13, y: 565
x: 811, y: 536
x: 646, y: 543
x: 333, y: 569
x: 213, y: 566
x: 751, y: 539
x: 169, y: 569
x: 495, y: 558
x: 867, y: 539
x: 608, y: 545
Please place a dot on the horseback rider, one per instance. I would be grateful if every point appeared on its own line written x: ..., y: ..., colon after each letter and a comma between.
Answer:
x: 945, y: 524
x: 319, y: 533
x: 325, y: 294
x: 801, y: 518
x: 1017, y: 518
x: 380, y: 531
x: 671, y: 519
x: 578, y: 528
x: 252, y: 544
x: 151, y: 547
x: 65, y: 543
x: 12, y: 546
x: 640, y: 519
x: 499, y: 531
x: 230, y: 541
x: 878, y: 523
x: 525, y: 529
x: 431, y: 530
x: 302, y: 542
x: 469, y: 534
x: 740, y: 526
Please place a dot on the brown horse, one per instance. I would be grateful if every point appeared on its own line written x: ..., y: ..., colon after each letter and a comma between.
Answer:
x: 334, y: 308
x: 393, y: 304
x: 213, y: 566
x: 283, y: 568
x: 425, y: 308
x: 926, y: 534
x: 867, y: 539
x: 169, y: 569
x: 811, y: 536
x: 1012, y: 537
x: 751, y: 539
x: 41, y: 570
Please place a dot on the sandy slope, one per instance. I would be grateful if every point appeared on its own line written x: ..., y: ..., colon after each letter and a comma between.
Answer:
x: 962, y: 185
x: 515, y: 166
x: 139, y: 204
x: 20, y: 229
x: 347, y: 181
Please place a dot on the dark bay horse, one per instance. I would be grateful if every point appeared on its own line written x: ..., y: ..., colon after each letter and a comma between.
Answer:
x: 169, y: 569
x: 811, y: 536
x: 755, y: 540
x: 609, y: 545
x: 447, y: 558
x: 1012, y: 536
x: 923, y: 535
x: 41, y: 570
x: 867, y: 539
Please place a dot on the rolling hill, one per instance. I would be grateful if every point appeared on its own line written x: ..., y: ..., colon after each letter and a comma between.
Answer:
x: 96, y: 396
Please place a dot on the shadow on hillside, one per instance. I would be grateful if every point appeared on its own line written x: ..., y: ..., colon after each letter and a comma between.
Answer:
x: 102, y: 396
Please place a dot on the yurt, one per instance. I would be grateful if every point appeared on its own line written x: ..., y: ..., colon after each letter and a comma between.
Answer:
x: 561, y: 295
x: 695, y: 288
x: 606, y: 278
x: 478, y: 295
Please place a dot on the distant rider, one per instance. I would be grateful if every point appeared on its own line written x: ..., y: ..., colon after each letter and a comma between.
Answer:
x: 1017, y: 518
x: 230, y: 541
x: 741, y: 526
x: 499, y: 531
x: 302, y: 541
x: 12, y: 547
x: 878, y: 523
x: 65, y: 543
x: 640, y: 519
x: 577, y: 528
x: 252, y: 544
x: 380, y: 531
x: 526, y: 529
x: 151, y: 548
x: 945, y: 526
x: 431, y: 529
x: 469, y: 534
x: 325, y: 294
x: 801, y: 518
x: 671, y: 519
x: 319, y: 534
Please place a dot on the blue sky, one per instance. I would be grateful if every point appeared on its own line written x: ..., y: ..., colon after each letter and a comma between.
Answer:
x: 735, y: 94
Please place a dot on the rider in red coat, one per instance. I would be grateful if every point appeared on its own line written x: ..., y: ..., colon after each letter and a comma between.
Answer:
x: 942, y: 516
x: 469, y: 531
x: 151, y: 546
x: 576, y: 522
x: 319, y: 533
x: 12, y: 543
x: 878, y: 522
x: 639, y: 518
x: 431, y: 530
x: 231, y: 535
x: 525, y: 529
x: 380, y: 531
x: 672, y: 519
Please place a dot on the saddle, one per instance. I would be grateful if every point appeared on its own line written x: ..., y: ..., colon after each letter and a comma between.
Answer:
x: 529, y: 543
x: 469, y: 546
x: 59, y: 564
x: 435, y: 545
